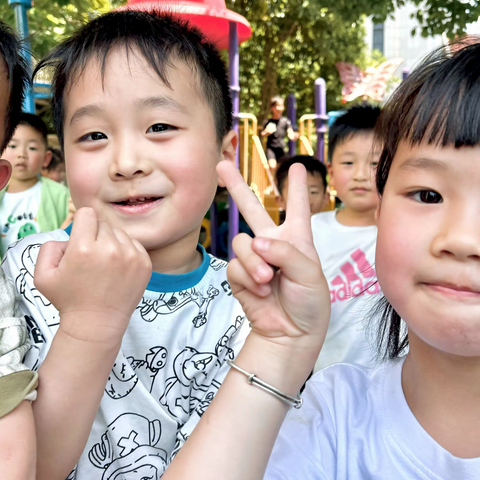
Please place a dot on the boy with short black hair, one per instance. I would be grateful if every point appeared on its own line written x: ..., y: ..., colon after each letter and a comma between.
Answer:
x: 31, y: 203
x: 17, y: 383
x: 276, y: 128
x: 130, y: 358
x: 316, y: 182
x: 55, y: 170
x: 345, y: 239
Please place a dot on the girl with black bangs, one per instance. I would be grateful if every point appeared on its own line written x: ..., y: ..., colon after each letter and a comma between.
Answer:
x: 417, y: 415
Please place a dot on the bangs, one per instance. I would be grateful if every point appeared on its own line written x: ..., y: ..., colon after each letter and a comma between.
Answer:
x: 439, y: 103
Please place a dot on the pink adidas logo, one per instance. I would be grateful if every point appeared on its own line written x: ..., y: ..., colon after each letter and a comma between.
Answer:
x: 356, y: 281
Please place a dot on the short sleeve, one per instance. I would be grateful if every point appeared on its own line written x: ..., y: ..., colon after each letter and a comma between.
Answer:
x: 306, y: 445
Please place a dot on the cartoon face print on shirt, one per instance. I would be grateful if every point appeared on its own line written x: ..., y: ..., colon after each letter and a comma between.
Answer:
x: 25, y: 286
x: 127, y: 450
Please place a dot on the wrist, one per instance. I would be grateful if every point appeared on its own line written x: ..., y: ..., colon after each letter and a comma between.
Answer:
x: 96, y: 328
x: 284, y: 364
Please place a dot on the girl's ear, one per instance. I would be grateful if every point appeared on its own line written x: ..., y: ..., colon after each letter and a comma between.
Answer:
x: 5, y: 172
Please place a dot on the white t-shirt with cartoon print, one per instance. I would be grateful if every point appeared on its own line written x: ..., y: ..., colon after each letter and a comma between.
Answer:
x: 171, y: 363
x: 18, y: 215
x: 355, y: 424
x: 347, y: 255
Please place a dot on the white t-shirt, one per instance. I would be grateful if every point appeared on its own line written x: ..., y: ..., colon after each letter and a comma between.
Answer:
x: 347, y: 255
x: 355, y: 424
x: 18, y: 215
x: 171, y: 363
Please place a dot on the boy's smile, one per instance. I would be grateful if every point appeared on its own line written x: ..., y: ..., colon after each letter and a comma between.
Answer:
x: 143, y: 155
x: 428, y: 248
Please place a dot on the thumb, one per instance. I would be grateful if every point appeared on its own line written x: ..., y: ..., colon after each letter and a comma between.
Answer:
x: 49, y: 258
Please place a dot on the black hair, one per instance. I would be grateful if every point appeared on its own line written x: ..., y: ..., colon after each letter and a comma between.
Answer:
x: 311, y: 164
x: 160, y: 38
x: 36, y: 123
x: 275, y: 100
x: 57, y: 159
x: 358, y: 120
x: 438, y: 103
x: 17, y: 74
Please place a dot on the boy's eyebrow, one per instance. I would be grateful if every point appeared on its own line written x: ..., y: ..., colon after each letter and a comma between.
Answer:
x: 161, y: 101
x: 86, y: 111
x: 424, y: 163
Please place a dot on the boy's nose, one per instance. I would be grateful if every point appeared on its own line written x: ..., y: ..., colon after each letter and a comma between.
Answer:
x: 129, y: 163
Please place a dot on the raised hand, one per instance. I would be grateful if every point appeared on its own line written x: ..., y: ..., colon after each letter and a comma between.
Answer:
x: 95, y: 280
x: 294, y: 303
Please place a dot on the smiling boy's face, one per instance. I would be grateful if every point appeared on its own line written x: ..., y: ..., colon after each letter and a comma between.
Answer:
x: 141, y: 154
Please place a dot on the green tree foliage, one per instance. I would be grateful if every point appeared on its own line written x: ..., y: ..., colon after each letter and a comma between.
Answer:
x: 52, y: 21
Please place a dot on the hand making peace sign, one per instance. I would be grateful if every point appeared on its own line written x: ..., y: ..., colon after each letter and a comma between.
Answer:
x: 294, y: 302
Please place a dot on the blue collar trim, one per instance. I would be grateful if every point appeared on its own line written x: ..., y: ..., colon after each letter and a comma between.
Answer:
x: 165, y: 283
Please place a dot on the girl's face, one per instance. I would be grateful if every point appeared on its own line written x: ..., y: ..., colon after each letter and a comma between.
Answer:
x: 428, y: 250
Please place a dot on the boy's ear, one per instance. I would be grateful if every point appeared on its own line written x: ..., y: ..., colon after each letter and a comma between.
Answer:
x: 48, y: 158
x: 229, y: 146
x: 330, y: 174
x: 229, y: 149
x: 5, y: 172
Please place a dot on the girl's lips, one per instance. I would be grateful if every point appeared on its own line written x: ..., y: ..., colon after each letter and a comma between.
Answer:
x: 454, y: 290
x: 138, y: 208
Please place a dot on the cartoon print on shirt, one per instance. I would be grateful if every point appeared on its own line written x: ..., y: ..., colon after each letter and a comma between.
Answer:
x: 194, y: 383
x: 25, y: 286
x: 127, y: 450
x: 217, y: 264
x: 167, y: 303
x: 124, y: 375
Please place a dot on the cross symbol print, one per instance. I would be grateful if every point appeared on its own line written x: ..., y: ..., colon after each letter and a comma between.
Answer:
x: 128, y: 444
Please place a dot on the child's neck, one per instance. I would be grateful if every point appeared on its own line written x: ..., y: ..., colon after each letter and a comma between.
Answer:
x: 351, y: 218
x: 179, y: 257
x: 16, y: 186
x: 443, y: 392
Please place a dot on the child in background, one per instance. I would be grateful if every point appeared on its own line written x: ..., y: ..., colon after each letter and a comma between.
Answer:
x: 276, y: 129
x: 17, y: 383
x: 316, y: 182
x: 345, y: 239
x: 31, y: 203
x: 129, y: 358
x: 55, y: 170
x: 416, y: 416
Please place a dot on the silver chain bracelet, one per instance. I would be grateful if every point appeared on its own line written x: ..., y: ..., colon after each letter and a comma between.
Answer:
x: 252, y: 379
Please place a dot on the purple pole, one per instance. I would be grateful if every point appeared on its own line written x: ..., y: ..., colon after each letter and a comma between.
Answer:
x: 292, y: 116
x: 405, y: 73
x: 233, y: 70
x: 322, y: 118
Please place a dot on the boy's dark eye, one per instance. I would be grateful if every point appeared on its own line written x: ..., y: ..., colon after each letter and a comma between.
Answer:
x: 427, y: 196
x: 160, y: 127
x: 94, y: 136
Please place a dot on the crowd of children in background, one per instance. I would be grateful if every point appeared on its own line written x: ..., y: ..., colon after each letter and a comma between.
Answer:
x: 140, y: 339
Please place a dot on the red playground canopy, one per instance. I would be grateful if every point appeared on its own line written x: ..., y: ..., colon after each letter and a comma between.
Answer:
x: 211, y: 17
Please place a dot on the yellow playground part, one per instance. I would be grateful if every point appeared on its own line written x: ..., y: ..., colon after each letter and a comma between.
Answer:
x: 307, y: 132
x: 254, y: 166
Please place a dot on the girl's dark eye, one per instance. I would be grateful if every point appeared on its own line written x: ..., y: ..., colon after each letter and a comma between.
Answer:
x: 94, y: 136
x: 159, y: 127
x: 427, y: 196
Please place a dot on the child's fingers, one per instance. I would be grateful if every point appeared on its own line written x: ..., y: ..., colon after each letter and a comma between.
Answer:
x: 49, y: 258
x: 240, y: 279
x: 85, y: 226
x: 294, y: 264
x: 298, y: 208
x: 256, y: 267
x: 248, y: 205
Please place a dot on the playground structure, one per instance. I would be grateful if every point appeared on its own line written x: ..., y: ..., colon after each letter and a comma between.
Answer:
x: 225, y: 29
